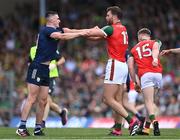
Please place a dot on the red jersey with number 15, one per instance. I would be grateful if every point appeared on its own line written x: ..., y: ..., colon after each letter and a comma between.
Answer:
x: 117, y: 42
x: 142, y: 53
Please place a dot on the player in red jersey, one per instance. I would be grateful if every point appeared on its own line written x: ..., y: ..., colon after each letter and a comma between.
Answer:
x: 129, y: 101
x: 116, y: 69
x: 145, y: 55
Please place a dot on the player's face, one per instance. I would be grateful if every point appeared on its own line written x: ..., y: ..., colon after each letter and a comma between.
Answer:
x: 109, y: 18
x: 56, y: 20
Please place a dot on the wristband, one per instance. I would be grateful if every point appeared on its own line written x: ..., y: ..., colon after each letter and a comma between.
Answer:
x: 155, y: 59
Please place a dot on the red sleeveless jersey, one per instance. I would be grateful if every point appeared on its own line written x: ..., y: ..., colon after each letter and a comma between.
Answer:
x: 117, y: 42
x: 142, y: 53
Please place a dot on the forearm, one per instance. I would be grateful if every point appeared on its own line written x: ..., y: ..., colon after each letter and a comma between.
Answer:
x: 155, y: 51
x: 132, y: 74
x: 175, y: 50
x: 61, y: 61
x: 68, y: 36
x: 137, y: 79
x: 78, y: 30
x: 155, y: 54
x: 94, y: 38
x: 131, y: 66
x: 96, y: 33
x: 67, y: 30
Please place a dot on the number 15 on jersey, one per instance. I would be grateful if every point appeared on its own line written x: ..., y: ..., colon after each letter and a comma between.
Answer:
x: 144, y: 52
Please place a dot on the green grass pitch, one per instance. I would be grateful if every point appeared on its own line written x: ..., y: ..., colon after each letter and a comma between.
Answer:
x: 86, y: 133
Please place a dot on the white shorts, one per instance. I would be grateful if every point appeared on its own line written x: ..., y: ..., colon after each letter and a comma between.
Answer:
x: 132, y: 96
x: 116, y: 72
x: 150, y: 79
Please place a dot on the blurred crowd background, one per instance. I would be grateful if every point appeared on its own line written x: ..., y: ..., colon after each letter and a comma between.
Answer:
x: 80, y: 85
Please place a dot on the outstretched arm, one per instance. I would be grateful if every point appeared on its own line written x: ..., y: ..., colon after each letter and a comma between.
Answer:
x: 164, y: 52
x: 67, y: 30
x: 66, y: 36
x: 94, y: 38
x: 96, y: 33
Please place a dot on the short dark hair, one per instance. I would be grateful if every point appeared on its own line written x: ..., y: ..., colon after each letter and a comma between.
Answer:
x: 50, y: 13
x: 115, y: 10
x: 144, y: 31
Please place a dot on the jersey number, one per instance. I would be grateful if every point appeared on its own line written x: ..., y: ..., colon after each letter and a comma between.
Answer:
x: 125, y: 37
x: 145, y: 52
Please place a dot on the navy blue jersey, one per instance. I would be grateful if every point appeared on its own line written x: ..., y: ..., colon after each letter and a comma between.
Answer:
x: 47, y: 46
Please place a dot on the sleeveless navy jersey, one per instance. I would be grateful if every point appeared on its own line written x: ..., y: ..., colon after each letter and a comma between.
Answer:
x: 47, y: 46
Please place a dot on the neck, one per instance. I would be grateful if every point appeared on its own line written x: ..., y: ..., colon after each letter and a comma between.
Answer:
x: 116, y: 21
x: 50, y: 25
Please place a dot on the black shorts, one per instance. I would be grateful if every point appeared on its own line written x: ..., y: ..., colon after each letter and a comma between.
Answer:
x: 38, y: 74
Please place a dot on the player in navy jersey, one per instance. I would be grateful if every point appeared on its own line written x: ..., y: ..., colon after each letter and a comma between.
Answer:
x: 38, y: 71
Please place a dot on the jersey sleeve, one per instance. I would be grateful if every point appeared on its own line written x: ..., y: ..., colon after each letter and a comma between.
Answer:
x: 159, y: 42
x: 61, y: 30
x: 48, y: 31
x: 107, y: 30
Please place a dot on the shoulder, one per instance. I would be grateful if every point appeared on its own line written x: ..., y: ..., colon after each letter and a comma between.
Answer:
x: 108, y: 30
x: 122, y: 26
x: 48, y: 30
x: 158, y: 42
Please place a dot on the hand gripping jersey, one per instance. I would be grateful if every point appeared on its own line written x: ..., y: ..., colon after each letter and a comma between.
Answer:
x: 117, y: 41
x: 142, y: 53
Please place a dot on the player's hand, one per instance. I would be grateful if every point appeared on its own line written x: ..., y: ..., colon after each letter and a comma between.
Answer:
x: 164, y: 52
x: 155, y: 62
x: 52, y: 66
x: 137, y: 87
x: 96, y: 27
